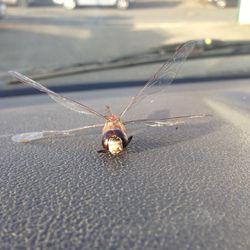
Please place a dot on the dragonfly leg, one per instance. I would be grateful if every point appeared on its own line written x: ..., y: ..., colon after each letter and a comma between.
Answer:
x: 108, y: 110
x: 102, y: 151
x: 129, y: 140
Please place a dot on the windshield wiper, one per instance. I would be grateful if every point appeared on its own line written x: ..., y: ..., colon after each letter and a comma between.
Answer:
x: 205, y: 49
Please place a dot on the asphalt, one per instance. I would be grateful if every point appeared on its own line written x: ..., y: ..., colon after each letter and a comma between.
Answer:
x: 51, y: 36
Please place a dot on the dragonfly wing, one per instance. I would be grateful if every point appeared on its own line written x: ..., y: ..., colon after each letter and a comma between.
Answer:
x: 34, y: 136
x: 166, y: 121
x: 163, y: 77
x: 64, y: 101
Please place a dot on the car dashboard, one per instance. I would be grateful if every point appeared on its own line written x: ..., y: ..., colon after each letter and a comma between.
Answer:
x: 183, y: 186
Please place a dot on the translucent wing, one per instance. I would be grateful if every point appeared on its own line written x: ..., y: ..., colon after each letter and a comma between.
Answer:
x: 166, y: 121
x: 164, y: 76
x: 33, y: 136
x: 66, y: 102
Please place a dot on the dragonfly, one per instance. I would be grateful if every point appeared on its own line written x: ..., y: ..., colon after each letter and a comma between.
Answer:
x: 114, y: 135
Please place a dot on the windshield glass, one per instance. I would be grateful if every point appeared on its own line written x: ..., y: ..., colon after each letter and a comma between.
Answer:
x: 68, y: 42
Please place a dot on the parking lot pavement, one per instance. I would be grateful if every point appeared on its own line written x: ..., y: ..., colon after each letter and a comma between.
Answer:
x: 37, y: 36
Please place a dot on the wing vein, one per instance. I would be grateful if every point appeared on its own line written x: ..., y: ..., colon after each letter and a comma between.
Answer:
x: 62, y: 100
x: 163, y: 77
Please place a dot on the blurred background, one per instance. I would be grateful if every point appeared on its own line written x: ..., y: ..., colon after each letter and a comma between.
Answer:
x: 61, y: 38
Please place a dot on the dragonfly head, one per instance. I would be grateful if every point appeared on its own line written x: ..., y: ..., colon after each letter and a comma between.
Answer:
x: 115, y: 145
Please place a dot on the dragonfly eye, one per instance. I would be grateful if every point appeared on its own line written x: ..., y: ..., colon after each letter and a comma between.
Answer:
x: 115, y: 145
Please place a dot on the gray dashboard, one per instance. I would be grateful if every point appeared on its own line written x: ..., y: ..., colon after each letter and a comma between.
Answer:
x: 185, y: 188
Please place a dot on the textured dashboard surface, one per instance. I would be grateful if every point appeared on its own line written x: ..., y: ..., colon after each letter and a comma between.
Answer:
x: 185, y: 188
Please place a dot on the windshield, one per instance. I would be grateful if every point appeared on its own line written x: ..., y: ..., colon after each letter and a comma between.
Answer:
x: 71, y: 43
